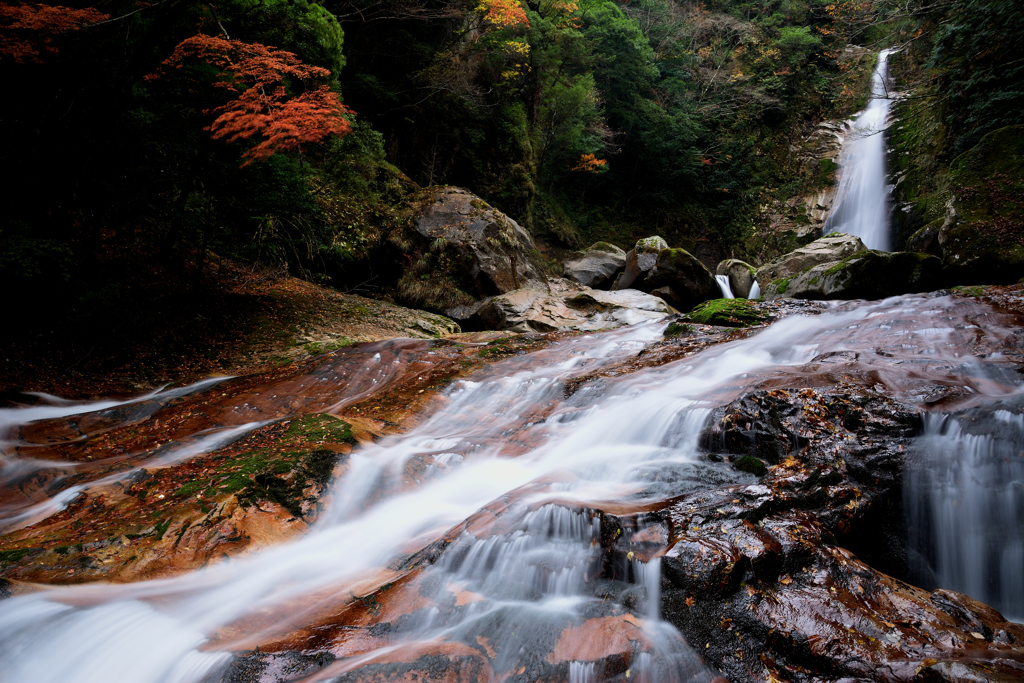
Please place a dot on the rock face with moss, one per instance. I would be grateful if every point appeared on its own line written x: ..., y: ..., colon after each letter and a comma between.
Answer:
x: 567, y: 305
x: 486, y: 251
x: 639, y: 262
x: 829, y: 249
x: 981, y: 238
x: 740, y: 274
x: 726, y: 313
x: 597, y: 266
x: 864, y: 275
x: 681, y: 280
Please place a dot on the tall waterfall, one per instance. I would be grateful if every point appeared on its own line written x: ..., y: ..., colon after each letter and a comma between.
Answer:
x: 862, y: 205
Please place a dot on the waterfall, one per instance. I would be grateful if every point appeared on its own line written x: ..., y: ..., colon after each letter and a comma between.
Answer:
x: 964, y: 497
x: 723, y: 284
x: 862, y: 204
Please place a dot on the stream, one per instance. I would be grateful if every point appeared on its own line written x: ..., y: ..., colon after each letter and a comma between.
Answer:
x: 513, y: 469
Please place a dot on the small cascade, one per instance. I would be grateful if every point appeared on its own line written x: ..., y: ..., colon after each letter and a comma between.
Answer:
x: 755, y: 291
x: 723, y: 284
x: 964, y: 497
x: 479, y: 527
x: 862, y: 205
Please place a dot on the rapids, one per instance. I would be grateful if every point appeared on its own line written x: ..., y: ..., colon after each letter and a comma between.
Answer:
x: 511, y: 468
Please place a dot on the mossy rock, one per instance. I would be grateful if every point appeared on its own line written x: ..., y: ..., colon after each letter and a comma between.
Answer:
x: 864, y: 275
x: 726, y: 313
x: 982, y: 238
x: 751, y: 465
x: 677, y: 330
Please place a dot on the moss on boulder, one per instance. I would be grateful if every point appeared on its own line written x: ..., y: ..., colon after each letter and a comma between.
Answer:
x: 864, y: 275
x: 726, y: 313
x: 982, y: 235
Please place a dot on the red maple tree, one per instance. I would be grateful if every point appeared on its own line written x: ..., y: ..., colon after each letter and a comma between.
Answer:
x: 27, y: 30
x: 264, y: 108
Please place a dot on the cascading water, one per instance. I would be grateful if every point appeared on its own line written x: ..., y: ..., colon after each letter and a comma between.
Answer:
x: 862, y: 203
x: 511, y: 470
x: 964, y: 496
x: 723, y: 284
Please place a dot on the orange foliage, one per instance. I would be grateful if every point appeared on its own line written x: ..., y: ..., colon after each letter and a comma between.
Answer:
x: 264, y: 107
x: 28, y: 30
x: 503, y: 13
x: 590, y: 164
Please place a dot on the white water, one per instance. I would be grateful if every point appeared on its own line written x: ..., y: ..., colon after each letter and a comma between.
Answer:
x: 723, y: 284
x: 604, y: 443
x: 862, y: 204
x: 755, y: 291
x: 964, y: 496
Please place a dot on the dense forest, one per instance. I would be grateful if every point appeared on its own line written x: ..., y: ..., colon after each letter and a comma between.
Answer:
x: 148, y: 140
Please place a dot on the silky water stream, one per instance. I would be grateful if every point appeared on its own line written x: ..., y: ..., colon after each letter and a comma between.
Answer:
x: 511, y: 471
x: 862, y: 205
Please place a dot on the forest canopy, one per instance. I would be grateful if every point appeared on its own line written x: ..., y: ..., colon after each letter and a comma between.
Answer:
x: 161, y: 135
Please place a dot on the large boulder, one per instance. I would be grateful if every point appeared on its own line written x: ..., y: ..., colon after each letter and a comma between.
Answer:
x: 982, y: 236
x: 567, y: 305
x: 639, y: 261
x: 740, y: 274
x: 597, y: 266
x: 491, y: 249
x: 834, y: 247
x: 679, y: 278
x: 864, y: 275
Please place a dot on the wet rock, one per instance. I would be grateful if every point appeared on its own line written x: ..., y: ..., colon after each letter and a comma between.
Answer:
x: 494, y: 249
x: 758, y: 575
x: 834, y: 247
x: 982, y: 235
x: 639, y: 262
x: 926, y: 240
x: 682, y: 279
x: 597, y: 266
x: 740, y: 274
x: 568, y: 306
x: 865, y: 275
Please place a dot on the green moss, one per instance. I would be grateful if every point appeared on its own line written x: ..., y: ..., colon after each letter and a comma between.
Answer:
x: 976, y: 290
x: 320, y: 427
x: 650, y: 244
x: 12, y: 556
x: 678, y: 330
x: 605, y: 247
x: 316, y: 348
x: 61, y: 549
x: 750, y: 464
x: 726, y: 313
x: 161, y: 528
x: 782, y: 285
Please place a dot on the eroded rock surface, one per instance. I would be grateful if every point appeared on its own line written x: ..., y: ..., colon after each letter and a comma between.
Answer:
x: 496, y: 251
x: 740, y: 274
x: 597, y: 266
x: 828, y: 249
x: 639, y: 262
x: 864, y: 275
x: 681, y: 279
x: 568, y: 306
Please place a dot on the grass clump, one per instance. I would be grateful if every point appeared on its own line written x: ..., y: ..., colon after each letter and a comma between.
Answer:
x: 726, y: 313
